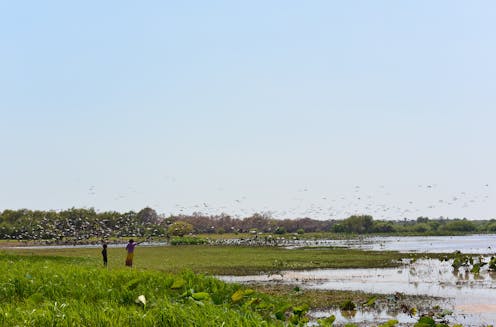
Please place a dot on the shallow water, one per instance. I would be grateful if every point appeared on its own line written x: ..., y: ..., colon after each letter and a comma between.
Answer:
x: 472, y: 298
x: 433, y: 244
x: 477, y: 244
x: 481, y: 244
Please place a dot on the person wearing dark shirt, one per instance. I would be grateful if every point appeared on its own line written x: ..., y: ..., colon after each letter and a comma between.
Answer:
x: 104, y: 254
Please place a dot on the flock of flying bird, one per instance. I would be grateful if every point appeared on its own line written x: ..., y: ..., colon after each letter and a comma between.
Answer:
x: 381, y: 202
x: 358, y: 201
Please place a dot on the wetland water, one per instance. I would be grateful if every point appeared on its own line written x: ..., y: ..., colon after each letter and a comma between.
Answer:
x: 483, y: 244
x: 471, y: 298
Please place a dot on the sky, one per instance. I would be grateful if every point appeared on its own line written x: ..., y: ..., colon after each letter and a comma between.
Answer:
x: 318, y: 109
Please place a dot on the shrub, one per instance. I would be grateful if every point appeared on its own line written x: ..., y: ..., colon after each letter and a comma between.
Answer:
x: 347, y: 305
x: 459, y: 226
x: 185, y: 240
x: 180, y: 228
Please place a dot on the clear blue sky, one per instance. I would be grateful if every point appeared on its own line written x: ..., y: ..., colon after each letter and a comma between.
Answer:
x: 317, y: 108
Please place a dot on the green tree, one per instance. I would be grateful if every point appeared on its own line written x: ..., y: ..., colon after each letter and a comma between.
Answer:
x: 383, y: 227
x: 359, y: 224
x: 460, y: 226
x: 180, y: 228
x: 421, y: 227
x: 147, y: 216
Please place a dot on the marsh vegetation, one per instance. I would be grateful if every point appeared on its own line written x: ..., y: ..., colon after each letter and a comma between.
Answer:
x: 273, y: 265
x: 292, y: 286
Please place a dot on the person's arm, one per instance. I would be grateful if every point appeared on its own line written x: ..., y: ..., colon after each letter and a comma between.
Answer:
x: 146, y: 239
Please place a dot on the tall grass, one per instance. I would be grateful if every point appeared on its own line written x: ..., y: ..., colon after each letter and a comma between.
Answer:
x: 47, y: 291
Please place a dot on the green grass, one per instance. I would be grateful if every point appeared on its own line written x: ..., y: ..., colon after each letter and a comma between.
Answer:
x: 69, y: 287
x: 51, y: 291
x: 235, y: 260
x: 316, y: 299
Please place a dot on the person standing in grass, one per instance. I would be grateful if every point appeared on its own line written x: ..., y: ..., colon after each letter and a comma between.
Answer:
x: 130, y: 252
x: 104, y: 254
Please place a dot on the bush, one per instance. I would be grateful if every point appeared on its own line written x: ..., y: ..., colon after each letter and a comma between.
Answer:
x: 421, y: 227
x: 180, y: 228
x: 185, y: 240
x: 491, y: 227
x: 383, y: 227
x: 459, y: 226
x: 347, y: 305
x: 492, y: 264
x: 358, y: 224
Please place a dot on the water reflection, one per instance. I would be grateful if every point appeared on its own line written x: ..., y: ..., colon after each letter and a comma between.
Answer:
x: 482, y: 244
x: 428, y: 277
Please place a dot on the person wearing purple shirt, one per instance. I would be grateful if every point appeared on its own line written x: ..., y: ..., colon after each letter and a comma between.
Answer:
x: 130, y: 252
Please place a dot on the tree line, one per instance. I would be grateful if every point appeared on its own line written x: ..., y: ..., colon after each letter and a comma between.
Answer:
x: 81, y: 224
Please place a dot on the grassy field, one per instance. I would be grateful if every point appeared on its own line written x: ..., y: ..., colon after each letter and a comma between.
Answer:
x: 230, y: 260
x: 71, y: 288
x: 61, y: 291
x: 169, y: 286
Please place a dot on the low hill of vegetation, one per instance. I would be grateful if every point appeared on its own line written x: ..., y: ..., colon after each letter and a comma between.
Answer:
x: 79, y: 225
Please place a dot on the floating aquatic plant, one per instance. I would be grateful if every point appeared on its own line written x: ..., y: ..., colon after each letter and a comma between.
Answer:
x: 492, y: 264
x: 425, y: 321
x: 370, y: 302
x: 389, y: 323
x: 347, y: 305
x: 326, y: 322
